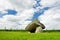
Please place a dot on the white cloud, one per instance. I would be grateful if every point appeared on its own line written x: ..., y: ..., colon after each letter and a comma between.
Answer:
x: 21, y: 5
x: 18, y: 21
x: 4, y: 4
x: 51, y: 17
x: 49, y: 3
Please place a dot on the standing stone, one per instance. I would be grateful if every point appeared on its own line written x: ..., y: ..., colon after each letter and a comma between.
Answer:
x: 38, y: 29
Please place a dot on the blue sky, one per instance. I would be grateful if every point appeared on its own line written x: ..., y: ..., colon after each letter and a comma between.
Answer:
x: 36, y: 13
x: 9, y: 12
x: 16, y: 14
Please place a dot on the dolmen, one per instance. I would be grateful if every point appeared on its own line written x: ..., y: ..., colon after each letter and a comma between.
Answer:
x: 35, y: 26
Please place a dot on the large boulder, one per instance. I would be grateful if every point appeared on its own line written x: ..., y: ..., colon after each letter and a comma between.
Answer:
x: 35, y: 26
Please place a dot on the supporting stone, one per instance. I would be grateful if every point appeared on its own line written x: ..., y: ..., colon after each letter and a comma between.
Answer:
x: 38, y: 29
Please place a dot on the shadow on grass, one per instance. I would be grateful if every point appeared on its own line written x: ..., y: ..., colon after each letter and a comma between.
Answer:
x: 49, y: 31
x: 15, y: 30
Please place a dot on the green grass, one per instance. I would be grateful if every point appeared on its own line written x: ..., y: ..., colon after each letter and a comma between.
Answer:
x: 24, y: 35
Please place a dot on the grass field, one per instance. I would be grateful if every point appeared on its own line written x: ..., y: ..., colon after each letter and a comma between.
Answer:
x: 24, y: 35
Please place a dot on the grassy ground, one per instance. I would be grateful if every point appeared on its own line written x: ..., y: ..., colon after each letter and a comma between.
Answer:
x: 24, y: 35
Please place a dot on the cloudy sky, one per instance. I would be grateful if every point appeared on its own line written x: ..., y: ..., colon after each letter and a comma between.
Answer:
x: 17, y: 14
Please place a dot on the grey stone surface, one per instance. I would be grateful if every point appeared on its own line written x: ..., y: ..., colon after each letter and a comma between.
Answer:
x: 38, y: 30
x: 35, y: 26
